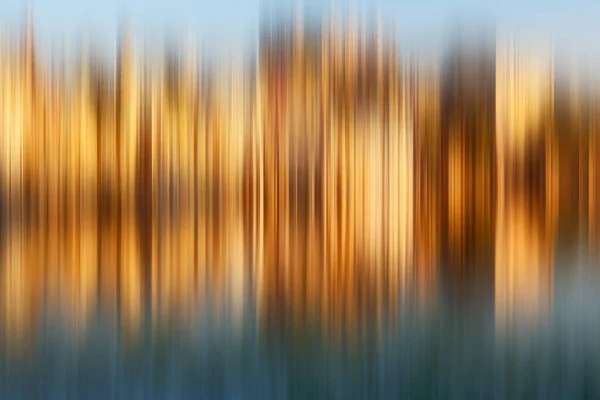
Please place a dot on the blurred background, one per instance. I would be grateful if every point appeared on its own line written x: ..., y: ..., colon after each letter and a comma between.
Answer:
x: 305, y: 200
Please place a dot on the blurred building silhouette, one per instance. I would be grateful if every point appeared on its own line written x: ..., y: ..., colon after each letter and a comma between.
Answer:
x: 469, y: 169
x: 333, y: 178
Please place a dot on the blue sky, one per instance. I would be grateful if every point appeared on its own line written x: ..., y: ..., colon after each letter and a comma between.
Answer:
x: 571, y: 24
